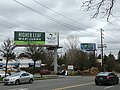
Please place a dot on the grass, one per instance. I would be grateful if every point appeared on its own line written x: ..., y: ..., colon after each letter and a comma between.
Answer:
x: 1, y: 79
x: 46, y: 77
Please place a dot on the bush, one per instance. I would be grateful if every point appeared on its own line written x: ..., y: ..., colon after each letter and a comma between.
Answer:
x: 94, y: 70
x: 31, y: 70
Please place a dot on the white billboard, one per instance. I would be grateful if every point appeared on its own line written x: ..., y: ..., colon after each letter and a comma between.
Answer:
x: 51, y: 38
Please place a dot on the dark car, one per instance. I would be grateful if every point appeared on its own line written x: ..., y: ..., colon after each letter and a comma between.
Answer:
x: 61, y: 72
x: 106, y: 78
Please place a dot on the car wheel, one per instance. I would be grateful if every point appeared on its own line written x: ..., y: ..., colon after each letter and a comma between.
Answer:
x: 17, y: 82
x: 5, y: 84
x: 117, y: 81
x: 97, y: 83
x: 112, y: 83
x: 31, y: 81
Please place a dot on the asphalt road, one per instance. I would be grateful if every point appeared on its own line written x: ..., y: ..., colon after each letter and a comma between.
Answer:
x: 64, y: 83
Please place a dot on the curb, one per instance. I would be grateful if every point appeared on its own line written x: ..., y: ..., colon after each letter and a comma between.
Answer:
x: 1, y: 81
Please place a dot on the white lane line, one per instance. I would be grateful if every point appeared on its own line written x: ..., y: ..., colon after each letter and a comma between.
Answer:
x: 108, y: 87
x: 19, y: 89
x: 68, y: 87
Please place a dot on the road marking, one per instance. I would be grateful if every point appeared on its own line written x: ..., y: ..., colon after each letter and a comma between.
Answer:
x: 67, y: 87
x: 19, y: 89
x: 108, y: 87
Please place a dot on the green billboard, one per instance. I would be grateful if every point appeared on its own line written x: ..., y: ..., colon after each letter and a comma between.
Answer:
x: 35, y: 38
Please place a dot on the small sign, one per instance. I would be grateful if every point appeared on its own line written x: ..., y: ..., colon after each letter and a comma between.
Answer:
x: 70, y: 67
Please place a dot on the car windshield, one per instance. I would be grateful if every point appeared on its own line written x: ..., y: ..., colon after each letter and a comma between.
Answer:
x: 15, y: 74
x: 103, y: 73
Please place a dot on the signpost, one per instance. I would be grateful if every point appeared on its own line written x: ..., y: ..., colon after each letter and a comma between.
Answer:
x: 45, y: 39
x: 71, y: 69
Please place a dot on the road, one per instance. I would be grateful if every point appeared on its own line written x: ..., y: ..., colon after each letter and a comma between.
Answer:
x: 63, y: 83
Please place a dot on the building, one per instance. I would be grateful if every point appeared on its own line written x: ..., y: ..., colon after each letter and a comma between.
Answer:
x: 21, y: 63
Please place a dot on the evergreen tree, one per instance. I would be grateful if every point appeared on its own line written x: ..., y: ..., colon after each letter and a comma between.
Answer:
x: 119, y: 57
x: 110, y: 62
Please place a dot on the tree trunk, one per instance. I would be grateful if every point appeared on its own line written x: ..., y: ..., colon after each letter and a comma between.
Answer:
x: 34, y: 67
x: 6, y: 67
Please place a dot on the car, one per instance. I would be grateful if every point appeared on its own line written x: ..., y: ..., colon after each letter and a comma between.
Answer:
x: 2, y: 69
x: 106, y: 78
x: 2, y: 74
x: 62, y: 72
x: 18, y: 78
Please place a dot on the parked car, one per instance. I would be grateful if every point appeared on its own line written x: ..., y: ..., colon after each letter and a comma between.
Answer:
x: 2, y: 69
x: 19, y: 77
x: 44, y: 72
x: 106, y: 78
x: 2, y: 74
x: 62, y: 72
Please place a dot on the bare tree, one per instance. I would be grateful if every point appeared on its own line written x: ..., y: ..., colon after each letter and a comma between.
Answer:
x: 72, y: 41
x: 7, y: 50
x: 104, y: 7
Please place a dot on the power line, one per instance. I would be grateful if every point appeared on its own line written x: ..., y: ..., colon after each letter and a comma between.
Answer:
x: 59, y: 13
x: 85, y: 31
x: 48, y: 17
x: 36, y: 10
x: 14, y: 22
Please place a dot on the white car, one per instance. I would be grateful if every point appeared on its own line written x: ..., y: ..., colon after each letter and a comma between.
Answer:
x: 2, y: 74
x: 19, y: 77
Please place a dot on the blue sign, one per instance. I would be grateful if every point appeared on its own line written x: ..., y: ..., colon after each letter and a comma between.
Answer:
x: 88, y: 46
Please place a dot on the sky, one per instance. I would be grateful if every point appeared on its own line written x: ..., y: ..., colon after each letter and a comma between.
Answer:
x: 63, y: 16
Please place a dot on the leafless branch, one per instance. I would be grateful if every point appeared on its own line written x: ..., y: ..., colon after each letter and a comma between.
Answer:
x: 103, y: 7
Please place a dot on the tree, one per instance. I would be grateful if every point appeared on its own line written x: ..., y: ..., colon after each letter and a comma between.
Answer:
x: 119, y: 57
x: 7, y: 50
x: 110, y: 62
x: 72, y: 43
x: 91, y: 60
x: 61, y: 60
x: 81, y: 60
x: 48, y: 59
x: 103, y: 7
x: 34, y: 53
x: 71, y: 56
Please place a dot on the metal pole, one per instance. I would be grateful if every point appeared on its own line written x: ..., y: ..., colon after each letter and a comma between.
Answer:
x: 55, y: 60
x: 102, y: 65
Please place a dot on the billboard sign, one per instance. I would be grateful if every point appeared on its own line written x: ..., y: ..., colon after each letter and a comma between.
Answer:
x: 35, y: 38
x: 88, y: 46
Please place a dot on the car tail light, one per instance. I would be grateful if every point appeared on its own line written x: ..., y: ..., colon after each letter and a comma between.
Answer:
x: 107, y: 77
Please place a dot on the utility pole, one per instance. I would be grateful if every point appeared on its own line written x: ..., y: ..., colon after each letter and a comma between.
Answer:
x: 102, y: 64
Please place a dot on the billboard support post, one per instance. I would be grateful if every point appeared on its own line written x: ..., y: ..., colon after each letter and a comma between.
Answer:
x: 55, y: 60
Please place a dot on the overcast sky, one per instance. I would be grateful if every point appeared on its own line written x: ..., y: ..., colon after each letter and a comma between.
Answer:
x: 63, y: 16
